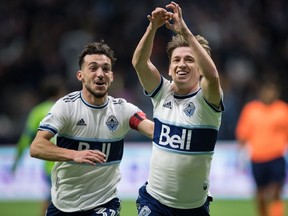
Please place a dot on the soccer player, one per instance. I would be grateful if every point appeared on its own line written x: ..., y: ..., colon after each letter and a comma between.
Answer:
x: 90, y: 127
x: 52, y: 89
x: 187, y: 115
x: 263, y: 128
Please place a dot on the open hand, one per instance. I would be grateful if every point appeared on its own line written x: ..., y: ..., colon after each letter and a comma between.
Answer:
x: 90, y: 157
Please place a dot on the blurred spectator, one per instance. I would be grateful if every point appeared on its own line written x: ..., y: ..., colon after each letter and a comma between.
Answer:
x: 53, y: 88
x: 263, y: 128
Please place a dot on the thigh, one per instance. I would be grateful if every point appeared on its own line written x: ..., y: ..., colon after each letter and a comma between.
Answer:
x: 148, y: 206
x: 111, y: 208
x: 203, y: 210
x: 53, y: 211
x: 260, y: 174
x: 278, y: 171
x: 269, y: 172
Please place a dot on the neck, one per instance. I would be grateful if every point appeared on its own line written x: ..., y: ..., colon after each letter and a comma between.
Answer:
x: 94, y: 100
x: 185, y: 91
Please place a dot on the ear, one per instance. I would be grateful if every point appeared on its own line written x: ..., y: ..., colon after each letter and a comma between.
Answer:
x: 169, y: 72
x: 112, y: 76
x: 79, y: 75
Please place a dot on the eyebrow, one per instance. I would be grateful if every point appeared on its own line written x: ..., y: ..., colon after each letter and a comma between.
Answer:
x: 96, y: 63
x: 186, y: 56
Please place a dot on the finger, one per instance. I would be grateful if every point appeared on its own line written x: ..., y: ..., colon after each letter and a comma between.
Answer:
x: 89, y: 162
x: 150, y: 18
x: 169, y: 16
x: 169, y: 26
x: 100, y: 158
x: 171, y: 6
x: 179, y: 10
x: 95, y: 159
x: 98, y: 152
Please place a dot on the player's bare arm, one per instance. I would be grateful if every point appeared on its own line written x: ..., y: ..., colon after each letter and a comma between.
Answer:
x: 148, y: 74
x: 146, y: 127
x: 42, y: 148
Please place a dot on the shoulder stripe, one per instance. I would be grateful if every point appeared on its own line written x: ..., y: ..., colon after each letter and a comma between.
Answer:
x: 71, y: 97
x: 47, y: 128
x: 156, y: 90
x: 216, y: 109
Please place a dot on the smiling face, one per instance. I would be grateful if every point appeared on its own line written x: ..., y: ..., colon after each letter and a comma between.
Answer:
x: 184, y: 71
x: 96, y: 76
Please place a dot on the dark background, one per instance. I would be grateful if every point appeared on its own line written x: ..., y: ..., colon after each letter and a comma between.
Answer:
x: 39, y: 38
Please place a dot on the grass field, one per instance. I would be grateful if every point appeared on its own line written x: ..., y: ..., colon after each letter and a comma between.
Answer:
x: 218, y: 208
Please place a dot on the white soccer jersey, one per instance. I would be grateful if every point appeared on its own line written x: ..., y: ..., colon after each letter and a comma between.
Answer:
x: 185, y: 134
x: 80, y: 125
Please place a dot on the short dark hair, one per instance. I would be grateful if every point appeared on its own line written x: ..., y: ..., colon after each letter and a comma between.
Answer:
x: 179, y: 41
x: 97, y: 48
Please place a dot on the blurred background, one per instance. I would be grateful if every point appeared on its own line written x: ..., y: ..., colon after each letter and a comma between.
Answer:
x: 41, y: 38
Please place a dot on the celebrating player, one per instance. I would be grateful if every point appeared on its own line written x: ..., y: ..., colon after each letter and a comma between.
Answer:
x: 187, y: 116
x: 90, y: 127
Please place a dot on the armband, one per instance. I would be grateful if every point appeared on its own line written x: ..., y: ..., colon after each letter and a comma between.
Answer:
x: 136, y: 119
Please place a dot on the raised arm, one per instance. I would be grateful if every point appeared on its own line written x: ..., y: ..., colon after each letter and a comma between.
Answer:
x: 210, y: 82
x: 147, y: 73
x: 42, y: 148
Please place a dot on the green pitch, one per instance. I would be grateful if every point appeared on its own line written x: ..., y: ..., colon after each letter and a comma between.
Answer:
x: 218, y: 208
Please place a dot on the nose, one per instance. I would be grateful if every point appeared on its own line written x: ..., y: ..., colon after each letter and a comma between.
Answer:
x: 100, y: 73
x: 182, y: 64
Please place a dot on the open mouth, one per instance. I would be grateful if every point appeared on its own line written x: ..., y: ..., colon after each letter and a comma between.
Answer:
x: 100, y: 83
x: 181, y: 73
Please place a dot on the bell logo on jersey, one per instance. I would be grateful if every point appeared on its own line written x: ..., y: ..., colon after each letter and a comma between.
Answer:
x: 112, y: 150
x: 179, y: 141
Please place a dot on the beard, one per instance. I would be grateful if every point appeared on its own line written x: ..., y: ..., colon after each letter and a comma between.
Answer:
x: 97, y: 94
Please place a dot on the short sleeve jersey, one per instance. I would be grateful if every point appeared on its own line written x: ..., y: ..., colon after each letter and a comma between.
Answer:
x: 79, y: 126
x: 185, y: 134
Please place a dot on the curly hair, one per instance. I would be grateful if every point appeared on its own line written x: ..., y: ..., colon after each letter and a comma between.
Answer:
x: 97, y: 48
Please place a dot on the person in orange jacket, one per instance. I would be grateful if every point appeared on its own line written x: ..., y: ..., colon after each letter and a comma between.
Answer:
x: 263, y: 128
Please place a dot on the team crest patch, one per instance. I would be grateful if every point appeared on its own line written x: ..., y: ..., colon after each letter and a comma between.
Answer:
x: 112, y: 123
x: 189, y: 109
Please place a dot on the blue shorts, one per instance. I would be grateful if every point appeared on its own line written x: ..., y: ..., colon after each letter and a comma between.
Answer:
x: 148, y: 206
x: 111, y: 208
x: 269, y: 172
